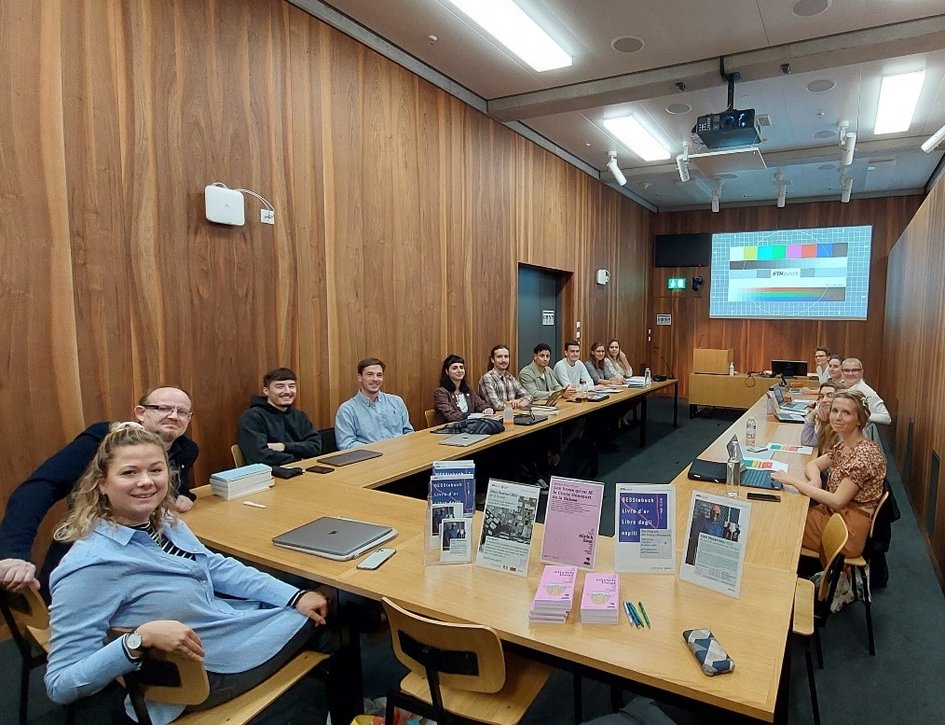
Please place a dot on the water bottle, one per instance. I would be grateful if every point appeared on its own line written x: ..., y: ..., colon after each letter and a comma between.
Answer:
x: 731, y: 368
x: 751, y: 428
x: 733, y: 473
x: 508, y: 415
x: 647, y: 377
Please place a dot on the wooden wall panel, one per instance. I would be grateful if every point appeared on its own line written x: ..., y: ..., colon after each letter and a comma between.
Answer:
x: 757, y: 342
x: 914, y: 359
x: 402, y: 215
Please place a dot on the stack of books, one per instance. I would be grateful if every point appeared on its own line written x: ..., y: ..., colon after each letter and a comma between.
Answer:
x: 637, y: 381
x: 538, y: 409
x: 241, y: 481
x: 600, y: 601
x: 555, y: 595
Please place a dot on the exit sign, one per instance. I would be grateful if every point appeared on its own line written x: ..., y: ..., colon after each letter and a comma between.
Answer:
x: 676, y: 283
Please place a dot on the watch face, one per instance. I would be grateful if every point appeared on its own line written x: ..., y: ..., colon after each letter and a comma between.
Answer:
x: 133, y: 640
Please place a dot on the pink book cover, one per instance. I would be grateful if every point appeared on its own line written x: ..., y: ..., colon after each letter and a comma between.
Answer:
x: 572, y: 522
x: 556, y: 586
x: 601, y: 592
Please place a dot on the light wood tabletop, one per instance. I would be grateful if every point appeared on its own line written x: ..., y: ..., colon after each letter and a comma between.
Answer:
x: 415, y: 452
x: 754, y: 628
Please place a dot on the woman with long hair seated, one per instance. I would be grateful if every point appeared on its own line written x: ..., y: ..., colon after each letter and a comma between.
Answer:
x: 135, y: 565
x: 597, y: 366
x: 817, y: 431
x: 854, y: 484
x: 616, y: 364
x: 454, y: 400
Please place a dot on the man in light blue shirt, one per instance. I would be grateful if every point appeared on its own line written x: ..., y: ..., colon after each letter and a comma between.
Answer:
x: 370, y: 415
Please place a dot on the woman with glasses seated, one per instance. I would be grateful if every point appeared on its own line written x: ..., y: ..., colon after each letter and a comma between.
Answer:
x: 854, y: 483
x: 134, y: 565
x: 454, y: 400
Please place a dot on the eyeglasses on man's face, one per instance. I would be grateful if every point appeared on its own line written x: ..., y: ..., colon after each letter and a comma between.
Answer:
x: 166, y: 411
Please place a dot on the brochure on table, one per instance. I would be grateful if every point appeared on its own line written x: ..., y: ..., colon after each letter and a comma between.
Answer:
x: 555, y: 595
x: 791, y: 448
x: 645, y: 522
x: 451, y: 504
x: 572, y: 522
x: 600, y: 599
x: 716, y: 541
x: 508, y: 521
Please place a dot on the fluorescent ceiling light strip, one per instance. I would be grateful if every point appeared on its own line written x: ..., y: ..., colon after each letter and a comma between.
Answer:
x: 898, y: 98
x: 509, y: 24
x: 632, y: 134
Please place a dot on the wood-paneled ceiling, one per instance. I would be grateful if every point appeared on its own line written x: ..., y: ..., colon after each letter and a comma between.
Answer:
x: 838, y: 52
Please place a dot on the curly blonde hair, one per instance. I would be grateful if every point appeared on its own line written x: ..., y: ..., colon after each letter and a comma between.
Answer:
x: 87, y: 502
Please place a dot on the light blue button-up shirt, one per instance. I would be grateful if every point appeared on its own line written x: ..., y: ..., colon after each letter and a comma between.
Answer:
x: 359, y: 420
x: 119, y: 577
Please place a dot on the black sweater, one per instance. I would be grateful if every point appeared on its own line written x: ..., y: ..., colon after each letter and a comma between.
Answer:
x: 264, y: 423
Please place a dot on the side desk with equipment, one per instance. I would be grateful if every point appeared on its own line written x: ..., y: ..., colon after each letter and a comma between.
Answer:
x: 754, y: 628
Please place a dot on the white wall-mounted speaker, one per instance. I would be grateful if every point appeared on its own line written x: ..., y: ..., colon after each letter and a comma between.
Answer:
x: 225, y: 206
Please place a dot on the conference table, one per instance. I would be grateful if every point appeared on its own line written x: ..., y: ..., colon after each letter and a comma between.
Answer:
x: 415, y: 452
x: 754, y: 627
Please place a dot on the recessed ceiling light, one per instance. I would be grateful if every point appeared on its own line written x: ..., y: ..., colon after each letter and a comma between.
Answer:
x: 826, y: 134
x: 509, y: 24
x: 820, y: 86
x: 898, y: 97
x: 627, y: 44
x: 827, y: 167
x: 677, y: 108
x: 809, y: 8
x: 636, y: 138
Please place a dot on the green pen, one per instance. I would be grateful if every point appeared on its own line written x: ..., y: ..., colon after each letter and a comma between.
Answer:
x: 646, y: 617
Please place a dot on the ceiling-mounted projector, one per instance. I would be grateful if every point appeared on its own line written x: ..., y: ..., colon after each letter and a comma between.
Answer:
x: 728, y: 129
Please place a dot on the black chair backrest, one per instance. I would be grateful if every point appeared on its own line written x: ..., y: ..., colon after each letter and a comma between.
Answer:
x: 328, y: 440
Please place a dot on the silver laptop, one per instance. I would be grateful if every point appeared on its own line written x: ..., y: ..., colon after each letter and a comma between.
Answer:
x: 793, y: 407
x: 335, y: 538
x: 464, y: 439
x: 783, y: 415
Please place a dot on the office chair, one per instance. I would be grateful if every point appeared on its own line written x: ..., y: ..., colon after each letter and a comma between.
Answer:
x: 459, y: 673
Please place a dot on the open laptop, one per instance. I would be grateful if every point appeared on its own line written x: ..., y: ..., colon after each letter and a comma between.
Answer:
x: 799, y: 406
x: 702, y: 470
x: 335, y: 538
x: 784, y: 416
x: 464, y: 439
x: 349, y: 457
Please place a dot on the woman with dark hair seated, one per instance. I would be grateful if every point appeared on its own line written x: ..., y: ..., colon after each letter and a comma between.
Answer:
x: 134, y: 565
x: 454, y: 399
x: 855, y: 479
x: 597, y: 366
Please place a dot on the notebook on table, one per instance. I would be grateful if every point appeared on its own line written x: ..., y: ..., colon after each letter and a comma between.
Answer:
x: 335, y: 538
x: 349, y: 457
x: 464, y: 439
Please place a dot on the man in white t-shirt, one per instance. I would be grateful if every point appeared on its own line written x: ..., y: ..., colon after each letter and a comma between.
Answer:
x: 852, y: 370
x: 571, y: 371
x: 821, y: 356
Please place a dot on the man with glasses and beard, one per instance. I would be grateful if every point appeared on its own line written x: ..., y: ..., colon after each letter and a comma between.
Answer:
x: 165, y: 411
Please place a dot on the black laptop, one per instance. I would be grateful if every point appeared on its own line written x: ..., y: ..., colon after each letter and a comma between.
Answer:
x: 702, y: 470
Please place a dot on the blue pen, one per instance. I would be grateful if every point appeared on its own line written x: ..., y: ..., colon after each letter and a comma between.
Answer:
x: 636, y: 615
x: 630, y: 614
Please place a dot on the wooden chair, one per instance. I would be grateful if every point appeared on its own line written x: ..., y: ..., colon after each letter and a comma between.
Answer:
x: 239, y: 459
x: 430, y: 416
x: 459, y: 672
x: 172, y: 678
x: 27, y: 618
x: 812, y: 606
x: 860, y: 572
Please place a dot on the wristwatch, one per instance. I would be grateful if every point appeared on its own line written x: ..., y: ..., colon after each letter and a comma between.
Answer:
x: 133, y: 643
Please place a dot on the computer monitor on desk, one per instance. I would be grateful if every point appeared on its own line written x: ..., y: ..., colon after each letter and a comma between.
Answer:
x: 789, y: 368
